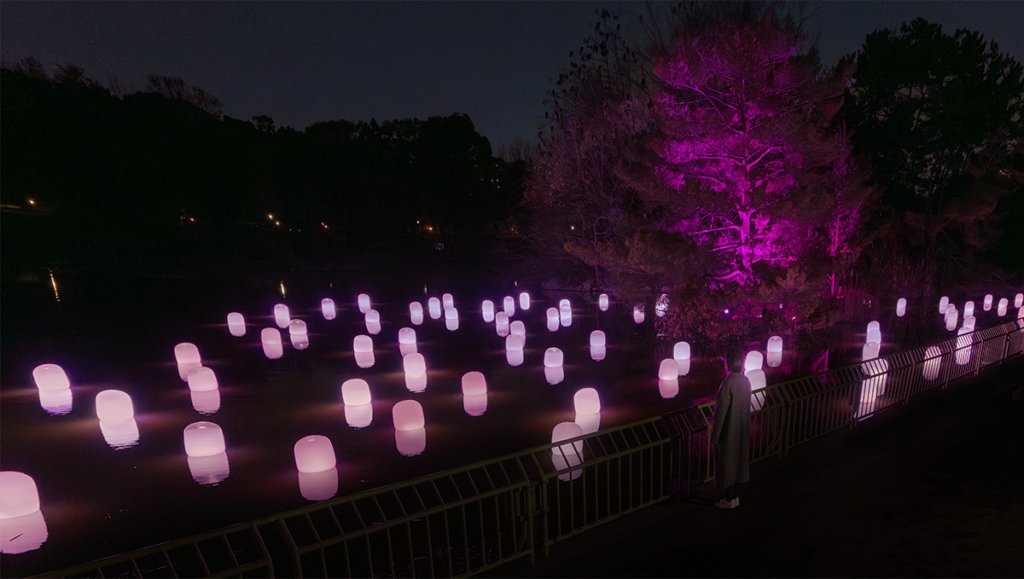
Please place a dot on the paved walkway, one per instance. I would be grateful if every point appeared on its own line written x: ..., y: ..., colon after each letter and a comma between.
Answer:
x: 934, y: 490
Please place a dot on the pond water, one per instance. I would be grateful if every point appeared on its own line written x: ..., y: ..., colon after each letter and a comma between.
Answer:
x: 99, y: 498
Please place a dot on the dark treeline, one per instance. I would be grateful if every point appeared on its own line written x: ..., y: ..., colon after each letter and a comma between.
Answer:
x: 160, y: 178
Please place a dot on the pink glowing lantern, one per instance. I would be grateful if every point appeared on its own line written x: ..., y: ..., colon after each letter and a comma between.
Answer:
x: 203, y: 439
x: 553, y: 324
x: 1018, y: 300
x: 501, y: 324
x: 1020, y: 313
x: 114, y: 406
x: 681, y: 351
x: 602, y: 302
x: 363, y: 301
x: 414, y: 364
x: 586, y: 401
x: 314, y: 453
x: 488, y: 311
x: 932, y: 363
x: 416, y: 313
x: 447, y: 301
x: 684, y: 367
x: 901, y: 307
x: 271, y: 340
x: 514, y: 357
x: 408, y: 415
x: 874, y: 335
x: 475, y: 404
x: 513, y: 343
x: 553, y: 358
x: 951, y: 318
x: 434, y: 305
x: 518, y: 328
x: 52, y: 377
x: 552, y: 315
x: 554, y: 375
x: 668, y: 388
x: 187, y: 353
x: 598, y: 339
x: 1001, y: 308
x: 355, y: 392
x: 968, y: 309
x: 281, y: 316
x: 373, y: 321
x: 18, y: 495
x: 774, y: 351
x: 362, y: 344
x: 297, y: 328
x: 407, y: 341
x: 987, y: 304
x: 638, y: 314
x: 474, y: 384
x: 120, y: 434
x: 236, y: 324
x: 23, y: 534
x: 668, y: 370
x: 757, y: 379
x: 589, y: 423
x: 753, y: 361
x: 524, y: 301
x: 328, y: 309
x: 565, y: 313
x: 451, y: 319
x: 567, y: 431
x: 509, y: 305
x: 943, y: 305
x: 598, y: 353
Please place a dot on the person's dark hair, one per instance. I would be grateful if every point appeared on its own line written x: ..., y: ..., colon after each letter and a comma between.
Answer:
x: 734, y: 361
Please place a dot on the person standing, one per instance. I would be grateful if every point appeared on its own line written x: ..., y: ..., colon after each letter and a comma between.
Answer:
x: 730, y: 432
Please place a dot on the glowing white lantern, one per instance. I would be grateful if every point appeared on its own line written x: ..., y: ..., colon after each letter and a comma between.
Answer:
x: 565, y: 314
x: 271, y: 340
x: 598, y: 353
x: 411, y: 442
x: 114, y: 406
x: 488, y: 311
x: 364, y: 303
x: 451, y: 314
x: 514, y: 342
x: 518, y: 328
x: 638, y: 314
x: 120, y: 434
x: 514, y: 357
x: 661, y: 306
x: 1001, y: 308
x: 669, y: 369
x: 757, y: 379
x: 359, y: 415
x: 943, y: 305
x: 407, y: 341
x: 202, y: 379
x: 281, y: 316
x: 52, y: 377
x: 501, y: 324
x: 434, y: 305
x: 18, y: 494
x: 414, y: 364
x: 753, y: 361
x: 552, y: 316
x: 598, y: 339
x: 564, y: 304
x: 318, y: 486
x: 205, y: 402
x: 236, y: 324
x: 987, y: 304
x: 373, y: 321
x: 56, y: 402
x: 901, y: 307
x: 474, y: 383
x: 297, y: 328
x: 684, y: 367
x: 416, y: 313
x: 602, y: 302
x: 361, y: 344
x: 969, y: 322
x: 963, y: 345
x: 1020, y: 312
x: 187, y: 353
x: 553, y: 358
x: 475, y: 404
x: 567, y: 455
x: 554, y: 375
x: 299, y: 341
x: 447, y: 301
x: 1018, y: 300
x: 203, y: 439
x: 509, y: 305
x: 209, y: 470
x: 328, y: 309
x: 407, y: 415
x: 968, y: 309
x: 668, y: 388
x: 314, y: 453
x: 524, y: 301
x: 681, y: 351
x: 553, y: 324
x: 932, y: 363
x: 23, y: 534
x: 586, y: 401
x: 451, y: 324
x: 355, y: 392
x: 874, y: 335
x: 951, y: 318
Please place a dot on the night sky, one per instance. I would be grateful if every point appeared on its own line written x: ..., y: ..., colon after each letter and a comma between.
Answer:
x: 302, y: 62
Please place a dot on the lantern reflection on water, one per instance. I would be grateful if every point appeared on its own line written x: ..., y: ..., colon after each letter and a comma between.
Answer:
x: 318, y: 486
x: 554, y: 375
x: 598, y: 339
x: 56, y: 402
x: 201, y: 379
x: 209, y: 470
x: 668, y: 370
x: 501, y: 324
x: 407, y: 341
x: 434, y: 305
x: 22, y: 527
x: 524, y: 301
x: 451, y: 319
x: 373, y: 322
x: 205, y: 402
x: 474, y: 404
x: 509, y: 305
x: 567, y: 455
x: 932, y: 363
x: 668, y: 388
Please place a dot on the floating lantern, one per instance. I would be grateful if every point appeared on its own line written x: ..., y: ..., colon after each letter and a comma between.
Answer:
x: 411, y: 442
x: 209, y: 470
x: 514, y: 357
x: 598, y: 353
x: 236, y: 324
x: 451, y: 318
x: 355, y: 392
x: 407, y: 415
x: 52, y: 376
x: 407, y: 341
x: 963, y: 346
x: 589, y: 423
x: 987, y: 304
x: 447, y: 301
x: 564, y: 303
x: 363, y: 301
x: 120, y: 434
x: 359, y: 415
x: 509, y: 305
x: 552, y: 316
x: 114, y: 406
x: 414, y: 364
x: 638, y: 314
x: 362, y: 344
x: 602, y: 302
x: 1018, y: 300
x: 586, y: 401
x: 951, y: 318
x: 524, y: 301
x: 565, y: 316
x: 873, y: 325
x: 501, y: 324
x: 201, y: 379
x: 874, y: 335
x: 753, y: 361
x: 18, y: 495
x: 416, y: 313
x: 314, y: 453
x: 932, y: 363
x: 271, y: 340
x: 187, y: 356
x: 514, y: 342
x: 281, y: 316
x: 1001, y: 308
x: 318, y: 486
x: 554, y: 375
x: 56, y: 402
x: 297, y: 328
x: 299, y: 341
x: 518, y: 328
x: 416, y: 383
x: 757, y: 379
x: 364, y: 359
x: 488, y: 311
x: 434, y: 305
x: 774, y: 351
x: 681, y: 351
x: 969, y: 322
x: 475, y: 404
x: 901, y: 307
x: 684, y: 366
x: 473, y: 384
x: 328, y: 309
x: 597, y: 339
x: 668, y: 388
x: 669, y: 369
x: 452, y: 324
x: 23, y: 534
x: 943, y: 305
x: 205, y: 402
x: 203, y: 439
x: 661, y: 306
x: 968, y: 309
x: 869, y: 351
x: 373, y: 321
x: 552, y: 358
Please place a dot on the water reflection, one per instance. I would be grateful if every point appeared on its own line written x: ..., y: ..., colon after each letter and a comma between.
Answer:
x: 597, y: 353
x: 186, y: 367
x: 774, y: 359
x: 554, y: 375
x: 668, y: 388
x: 589, y: 422
x: 475, y: 404
x: 684, y: 367
x: 209, y: 470
x: 273, y: 351
x: 23, y: 534
x: 300, y: 341
x: 364, y: 359
x: 567, y: 455
x: 514, y: 357
x: 411, y: 442
x: 319, y: 486
x: 206, y: 402
x: 121, y: 434
x: 553, y: 325
x: 359, y: 415
x: 56, y: 402
x: 417, y: 383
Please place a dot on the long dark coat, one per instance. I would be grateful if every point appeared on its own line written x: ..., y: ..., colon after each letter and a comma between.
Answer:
x: 730, y: 433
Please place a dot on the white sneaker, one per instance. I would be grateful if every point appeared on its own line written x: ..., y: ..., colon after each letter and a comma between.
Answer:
x: 735, y: 502
x: 724, y: 504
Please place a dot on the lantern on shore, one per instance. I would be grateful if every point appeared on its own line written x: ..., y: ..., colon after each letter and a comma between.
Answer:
x: 487, y: 308
x: 236, y: 324
x: 669, y: 369
x: 602, y: 302
x: 901, y: 307
x: 314, y: 453
x: 328, y: 309
x: 363, y: 301
x: 281, y: 316
x: 416, y: 313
